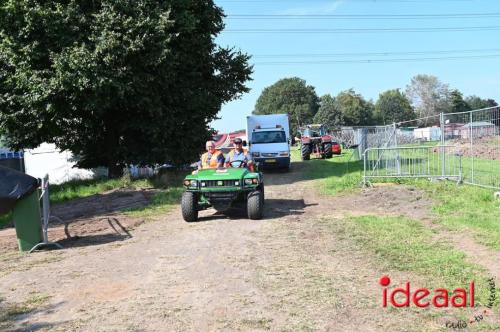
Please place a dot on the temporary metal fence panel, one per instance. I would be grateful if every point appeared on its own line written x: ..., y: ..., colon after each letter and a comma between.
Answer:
x: 465, y: 144
x: 433, y: 162
x: 477, y: 134
x: 362, y: 138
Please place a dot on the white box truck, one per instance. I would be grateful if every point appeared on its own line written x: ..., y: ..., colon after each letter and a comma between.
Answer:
x: 269, y: 140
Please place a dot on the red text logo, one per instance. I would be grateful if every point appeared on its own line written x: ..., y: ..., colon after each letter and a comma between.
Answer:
x: 423, y: 297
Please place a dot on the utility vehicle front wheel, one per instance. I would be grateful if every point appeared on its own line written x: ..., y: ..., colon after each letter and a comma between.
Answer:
x: 189, y: 206
x: 255, y: 205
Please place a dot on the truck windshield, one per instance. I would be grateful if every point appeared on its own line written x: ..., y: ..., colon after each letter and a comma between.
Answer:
x: 263, y: 137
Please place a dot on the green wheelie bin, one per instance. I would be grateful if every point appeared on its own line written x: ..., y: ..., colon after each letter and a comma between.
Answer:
x: 26, y: 216
x: 19, y: 193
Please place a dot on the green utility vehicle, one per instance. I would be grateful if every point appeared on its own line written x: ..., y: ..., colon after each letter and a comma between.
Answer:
x: 223, y: 188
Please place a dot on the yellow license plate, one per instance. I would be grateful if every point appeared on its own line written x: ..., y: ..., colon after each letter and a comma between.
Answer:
x: 270, y: 160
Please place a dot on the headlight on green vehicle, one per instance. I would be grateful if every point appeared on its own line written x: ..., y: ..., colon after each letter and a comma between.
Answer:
x: 249, y: 182
x: 190, y: 183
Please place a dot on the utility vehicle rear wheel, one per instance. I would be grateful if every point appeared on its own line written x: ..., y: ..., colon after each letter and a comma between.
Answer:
x: 255, y: 205
x: 189, y: 206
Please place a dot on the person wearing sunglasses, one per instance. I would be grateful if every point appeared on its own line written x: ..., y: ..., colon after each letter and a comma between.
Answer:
x: 239, y: 154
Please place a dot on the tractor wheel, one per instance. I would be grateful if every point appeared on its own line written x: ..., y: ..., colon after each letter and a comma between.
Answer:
x: 327, y: 148
x: 189, y: 206
x: 255, y: 205
x: 263, y: 195
x: 305, y: 152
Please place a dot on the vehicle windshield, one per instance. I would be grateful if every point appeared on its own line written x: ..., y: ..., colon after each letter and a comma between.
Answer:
x: 316, y: 132
x: 263, y: 137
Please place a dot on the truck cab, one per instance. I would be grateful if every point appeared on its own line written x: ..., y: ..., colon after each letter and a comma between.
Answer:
x: 269, y: 140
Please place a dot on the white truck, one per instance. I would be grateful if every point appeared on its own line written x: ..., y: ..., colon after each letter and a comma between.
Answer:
x: 269, y: 140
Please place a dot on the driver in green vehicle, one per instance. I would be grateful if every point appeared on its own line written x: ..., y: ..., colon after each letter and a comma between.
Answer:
x: 239, y: 154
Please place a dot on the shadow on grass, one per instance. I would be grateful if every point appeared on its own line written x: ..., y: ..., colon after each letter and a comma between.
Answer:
x: 16, y: 317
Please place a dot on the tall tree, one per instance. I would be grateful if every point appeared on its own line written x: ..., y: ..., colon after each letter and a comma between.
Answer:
x: 393, y: 106
x: 115, y: 82
x: 476, y: 103
x: 428, y: 95
x: 355, y: 110
x: 328, y: 112
x: 292, y: 96
x: 457, y: 102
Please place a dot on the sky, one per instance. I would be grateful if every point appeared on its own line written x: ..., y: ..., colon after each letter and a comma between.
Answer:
x: 368, y: 45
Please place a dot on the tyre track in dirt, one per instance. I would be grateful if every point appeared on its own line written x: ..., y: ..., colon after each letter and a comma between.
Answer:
x: 288, y: 271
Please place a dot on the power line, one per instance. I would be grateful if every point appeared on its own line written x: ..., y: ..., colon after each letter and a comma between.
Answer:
x: 363, y: 30
x: 360, y: 16
x: 269, y: 2
x: 322, y: 55
x: 489, y: 56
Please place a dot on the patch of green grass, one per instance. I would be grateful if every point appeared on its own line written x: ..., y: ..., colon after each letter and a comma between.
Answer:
x: 406, y: 245
x: 338, y: 174
x: 161, y: 203
x: 461, y: 208
x: 261, y: 323
x: 37, y: 299
x: 466, y: 208
x: 9, y: 312
x: 84, y: 188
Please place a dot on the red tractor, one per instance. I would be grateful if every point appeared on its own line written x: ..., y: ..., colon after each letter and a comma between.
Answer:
x: 314, y: 139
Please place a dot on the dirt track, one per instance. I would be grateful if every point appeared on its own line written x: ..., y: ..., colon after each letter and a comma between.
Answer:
x: 293, y: 270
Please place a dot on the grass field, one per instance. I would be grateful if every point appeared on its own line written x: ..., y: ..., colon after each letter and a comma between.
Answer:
x: 406, y: 245
x: 457, y: 207
x: 403, y: 244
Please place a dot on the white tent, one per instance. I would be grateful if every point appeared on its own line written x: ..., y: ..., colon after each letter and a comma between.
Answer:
x: 47, y: 159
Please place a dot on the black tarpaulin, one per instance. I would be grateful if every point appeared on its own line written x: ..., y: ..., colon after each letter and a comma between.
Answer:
x: 14, y: 185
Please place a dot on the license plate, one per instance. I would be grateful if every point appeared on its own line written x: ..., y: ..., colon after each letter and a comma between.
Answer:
x: 270, y: 160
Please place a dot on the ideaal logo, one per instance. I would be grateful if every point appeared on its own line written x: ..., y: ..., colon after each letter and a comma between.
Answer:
x: 423, y: 297
x: 439, y: 298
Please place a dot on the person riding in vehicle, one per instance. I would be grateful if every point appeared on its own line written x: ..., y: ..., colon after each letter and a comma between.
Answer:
x: 212, y: 158
x: 238, y: 154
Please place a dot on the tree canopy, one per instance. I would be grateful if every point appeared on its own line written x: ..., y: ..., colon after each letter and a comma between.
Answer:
x: 428, y: 95
x: 393, y: 106
x: 476, y: 103
x: 328, y: 113
x: 355, y: 110
x: 292, y: 96
x: 115, y: 82
x: 457, y: 102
